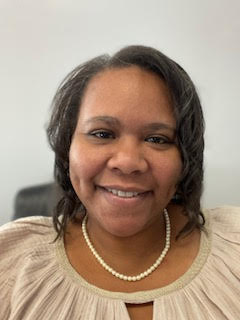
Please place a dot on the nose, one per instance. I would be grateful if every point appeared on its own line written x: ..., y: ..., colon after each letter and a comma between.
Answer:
x: 128, y: 157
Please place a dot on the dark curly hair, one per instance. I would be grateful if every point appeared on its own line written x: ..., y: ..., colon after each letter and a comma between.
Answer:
x: 189, y: 129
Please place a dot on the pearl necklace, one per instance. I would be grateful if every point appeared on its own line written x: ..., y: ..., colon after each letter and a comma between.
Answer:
x: 122, y: 276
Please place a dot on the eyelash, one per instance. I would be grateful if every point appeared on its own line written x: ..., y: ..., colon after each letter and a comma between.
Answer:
x: 103, y: 134
x: 159, y: 140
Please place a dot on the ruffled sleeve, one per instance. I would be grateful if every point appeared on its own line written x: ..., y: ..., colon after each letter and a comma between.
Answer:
x: 34, y: 285
x: 226, y: 248
x: 221, y: 275
x: 19, y: 240
x: 215, y: 291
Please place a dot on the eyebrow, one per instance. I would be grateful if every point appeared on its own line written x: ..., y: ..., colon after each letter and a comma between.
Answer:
x: 107, y: 119
x: 113, y: 121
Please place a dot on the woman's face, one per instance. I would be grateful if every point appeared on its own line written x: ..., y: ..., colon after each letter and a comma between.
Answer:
x: 124, y: 162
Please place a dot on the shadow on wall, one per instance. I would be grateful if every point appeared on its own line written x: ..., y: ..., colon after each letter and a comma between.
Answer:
x: 36, y: 200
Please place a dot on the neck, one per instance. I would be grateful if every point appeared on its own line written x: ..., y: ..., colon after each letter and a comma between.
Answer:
x: 128, y: 255
x: 128, y: 252
x: 142, y: 274
x: 149, y: 240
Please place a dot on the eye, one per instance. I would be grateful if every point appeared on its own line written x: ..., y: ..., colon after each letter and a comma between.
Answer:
x: 102, y: 134
x: 158, y: 140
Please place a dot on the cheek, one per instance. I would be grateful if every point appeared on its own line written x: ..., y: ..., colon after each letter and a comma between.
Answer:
x: 169, y: 172
x: 79, y: 165
x: 83, y: 165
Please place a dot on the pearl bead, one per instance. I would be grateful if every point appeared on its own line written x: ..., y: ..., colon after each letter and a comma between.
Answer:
x: 141, y: 275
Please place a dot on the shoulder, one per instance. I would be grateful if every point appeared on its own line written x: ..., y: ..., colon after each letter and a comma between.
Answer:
x: 224, y: 212
x: 27, y: 223
x: 22, y: 235
x: 226, y: 218
x: 22, y: 242
x: 224, y: 226
x: 24, y: 231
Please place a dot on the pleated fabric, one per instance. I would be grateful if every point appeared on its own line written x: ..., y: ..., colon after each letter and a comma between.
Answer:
x: 38, y: 282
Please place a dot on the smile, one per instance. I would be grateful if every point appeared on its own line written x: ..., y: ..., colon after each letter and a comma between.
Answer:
x: 130, y: 196
x: 123, y: 194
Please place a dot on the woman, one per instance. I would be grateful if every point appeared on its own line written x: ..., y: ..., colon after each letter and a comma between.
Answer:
x: 128, y: 239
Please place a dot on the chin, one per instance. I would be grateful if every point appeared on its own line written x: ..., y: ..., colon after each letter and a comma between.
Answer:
x: 126, y: 228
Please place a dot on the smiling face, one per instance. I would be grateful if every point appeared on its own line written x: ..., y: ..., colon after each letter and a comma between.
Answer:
x: 124, y: 163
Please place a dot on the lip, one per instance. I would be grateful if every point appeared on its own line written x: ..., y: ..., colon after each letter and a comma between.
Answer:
x: 124, y: 188
x: 122, y: 202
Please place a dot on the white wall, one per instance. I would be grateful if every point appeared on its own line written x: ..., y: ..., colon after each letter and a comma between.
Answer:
x: 41, y: 41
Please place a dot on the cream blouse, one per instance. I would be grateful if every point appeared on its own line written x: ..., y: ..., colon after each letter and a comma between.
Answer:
x: 38, y: 282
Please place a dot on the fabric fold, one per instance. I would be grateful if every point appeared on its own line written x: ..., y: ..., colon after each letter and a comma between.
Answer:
x: 36, y: 283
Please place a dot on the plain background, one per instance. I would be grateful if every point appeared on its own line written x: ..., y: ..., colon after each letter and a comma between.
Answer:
x: 41, y: 41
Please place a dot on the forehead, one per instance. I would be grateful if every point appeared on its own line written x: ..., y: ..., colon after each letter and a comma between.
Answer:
x: 125, y: 80
x: 120, y: 90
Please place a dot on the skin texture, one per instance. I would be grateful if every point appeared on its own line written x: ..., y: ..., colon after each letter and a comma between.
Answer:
x: 125, y: 139
x: 131, y: 147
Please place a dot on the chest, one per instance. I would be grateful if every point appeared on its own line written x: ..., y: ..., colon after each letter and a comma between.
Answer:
x: 140, y: 311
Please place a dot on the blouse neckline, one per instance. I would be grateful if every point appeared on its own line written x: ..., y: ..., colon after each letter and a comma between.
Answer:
x: 147, y: 295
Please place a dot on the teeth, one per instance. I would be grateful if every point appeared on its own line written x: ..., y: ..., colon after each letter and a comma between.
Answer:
x: 123, y: 194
